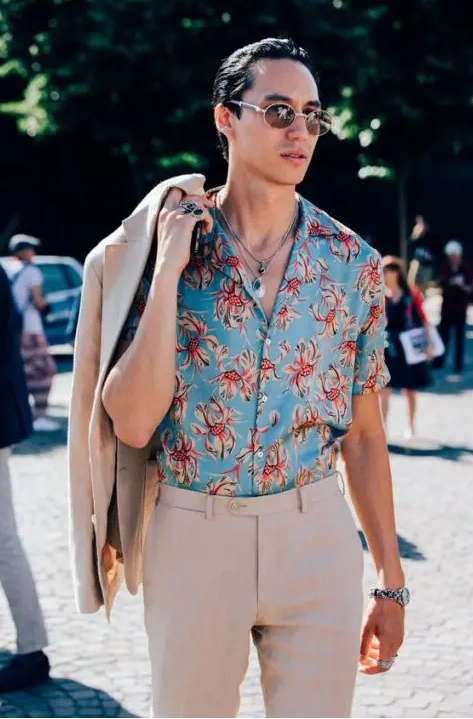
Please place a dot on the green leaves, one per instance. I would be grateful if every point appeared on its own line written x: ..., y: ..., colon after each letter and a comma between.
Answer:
x: 136, y: 75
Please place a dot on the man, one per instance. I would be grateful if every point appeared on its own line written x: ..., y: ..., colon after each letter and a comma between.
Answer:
x: 424, y: 253
x: 30, y: 665
x: 456, y: 281
x: 255, y: 359
x: 40, y: 367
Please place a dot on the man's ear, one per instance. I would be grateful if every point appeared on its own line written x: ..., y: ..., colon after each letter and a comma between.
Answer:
x: 224, y: 120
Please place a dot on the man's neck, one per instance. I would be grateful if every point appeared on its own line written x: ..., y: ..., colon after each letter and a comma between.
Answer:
x: 258, y: 212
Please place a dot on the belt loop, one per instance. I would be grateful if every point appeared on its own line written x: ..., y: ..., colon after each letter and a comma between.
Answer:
x: 303, y: 500
x: 209, y: 501
x: 341, y: 483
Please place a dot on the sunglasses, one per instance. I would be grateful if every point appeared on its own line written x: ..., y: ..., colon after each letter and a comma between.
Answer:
x: 280, y: 116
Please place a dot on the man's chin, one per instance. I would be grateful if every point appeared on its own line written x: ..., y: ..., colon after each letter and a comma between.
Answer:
x: 292, y: 178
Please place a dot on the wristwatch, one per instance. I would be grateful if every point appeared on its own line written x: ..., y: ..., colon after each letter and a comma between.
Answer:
x: 402, y: 596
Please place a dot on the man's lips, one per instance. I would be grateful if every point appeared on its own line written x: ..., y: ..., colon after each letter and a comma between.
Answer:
x: 294, y: 155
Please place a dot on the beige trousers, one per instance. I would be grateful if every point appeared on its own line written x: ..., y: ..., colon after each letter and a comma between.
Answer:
x: 285, y: 569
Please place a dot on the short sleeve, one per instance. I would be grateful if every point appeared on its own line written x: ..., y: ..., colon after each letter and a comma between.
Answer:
x: 371, y: 373
x: 34, y: 276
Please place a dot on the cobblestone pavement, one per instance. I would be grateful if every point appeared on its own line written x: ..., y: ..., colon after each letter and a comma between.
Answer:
x: 102, y: 670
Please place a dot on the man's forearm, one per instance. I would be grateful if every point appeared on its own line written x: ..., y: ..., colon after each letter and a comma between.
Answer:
x: 369, y: 480
x: 140, y: 387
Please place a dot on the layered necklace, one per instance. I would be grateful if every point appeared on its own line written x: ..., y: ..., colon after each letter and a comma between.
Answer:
x: 263, y: 264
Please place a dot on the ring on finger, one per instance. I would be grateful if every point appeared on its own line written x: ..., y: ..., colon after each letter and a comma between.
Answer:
x: 384, y: 664
x: 191, y: 208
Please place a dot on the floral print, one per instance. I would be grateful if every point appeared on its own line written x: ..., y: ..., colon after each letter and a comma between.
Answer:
x: 261, y: 406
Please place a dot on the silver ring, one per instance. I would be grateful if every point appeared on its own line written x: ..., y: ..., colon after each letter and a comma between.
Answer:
x: 191, y: 208
x: 385, y: 664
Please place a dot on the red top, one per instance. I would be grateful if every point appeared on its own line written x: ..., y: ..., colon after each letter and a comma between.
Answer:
x: 418, y: 300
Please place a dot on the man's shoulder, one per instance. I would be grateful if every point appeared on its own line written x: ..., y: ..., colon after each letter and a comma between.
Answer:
x: 343, y: 243
x: 28, y: 275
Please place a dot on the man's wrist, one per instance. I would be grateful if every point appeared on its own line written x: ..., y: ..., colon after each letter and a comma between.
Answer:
x: 391, y: 579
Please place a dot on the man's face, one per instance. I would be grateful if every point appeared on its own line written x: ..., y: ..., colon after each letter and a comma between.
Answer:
x: 454, y: 258
x: 27, y: 254
x: 264, y: 151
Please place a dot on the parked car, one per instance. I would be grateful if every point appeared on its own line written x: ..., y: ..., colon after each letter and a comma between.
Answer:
x: 61, y: 289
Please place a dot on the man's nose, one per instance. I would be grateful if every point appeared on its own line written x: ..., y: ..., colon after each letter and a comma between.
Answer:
x: 298, y: 128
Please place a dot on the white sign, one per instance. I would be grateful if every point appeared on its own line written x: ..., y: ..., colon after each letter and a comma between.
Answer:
x: 414, y: 344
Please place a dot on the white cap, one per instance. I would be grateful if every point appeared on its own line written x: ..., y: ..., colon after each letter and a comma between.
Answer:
x: 454, y: 247
x: 21, y: 242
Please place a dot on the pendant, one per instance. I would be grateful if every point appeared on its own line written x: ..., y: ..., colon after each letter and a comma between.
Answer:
x: 261, y: 268
x: 258, y: 288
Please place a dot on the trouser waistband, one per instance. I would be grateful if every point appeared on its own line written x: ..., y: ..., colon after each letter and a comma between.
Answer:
x: 299, y: 498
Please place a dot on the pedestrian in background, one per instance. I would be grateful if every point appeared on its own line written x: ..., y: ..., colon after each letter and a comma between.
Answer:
x: 30, y: 665
x: 40, y: 367
x: 456, y: 281
x: 424, y: 253
x: 404, y: 311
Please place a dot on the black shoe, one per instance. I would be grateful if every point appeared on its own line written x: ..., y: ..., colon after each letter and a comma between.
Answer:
x: 23, y: 671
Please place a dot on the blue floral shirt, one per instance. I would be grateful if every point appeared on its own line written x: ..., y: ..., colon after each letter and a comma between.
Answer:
x: 261, y: 407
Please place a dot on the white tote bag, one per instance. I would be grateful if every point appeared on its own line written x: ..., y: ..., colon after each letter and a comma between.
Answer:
x: 414, y: 344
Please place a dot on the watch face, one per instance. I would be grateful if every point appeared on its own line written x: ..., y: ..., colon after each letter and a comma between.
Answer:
x: 405, y: 596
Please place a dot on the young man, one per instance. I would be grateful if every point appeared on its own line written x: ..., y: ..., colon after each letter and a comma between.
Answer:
x: 256, y: 360
x: 456, y: 281
x: 40, y: 367
x: 30, y: 665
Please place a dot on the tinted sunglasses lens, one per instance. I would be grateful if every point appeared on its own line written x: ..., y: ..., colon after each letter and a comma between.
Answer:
x: 279, y: 116
x: 319, y: 122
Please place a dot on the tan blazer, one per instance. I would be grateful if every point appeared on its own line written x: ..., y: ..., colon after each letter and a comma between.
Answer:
x: 112, y: 487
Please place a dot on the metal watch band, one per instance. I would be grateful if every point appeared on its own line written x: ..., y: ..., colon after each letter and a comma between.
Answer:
x: 401, y: 595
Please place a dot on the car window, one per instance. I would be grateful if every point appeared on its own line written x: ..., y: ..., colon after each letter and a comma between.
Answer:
x: 73, y: 277
x: 54, y: 278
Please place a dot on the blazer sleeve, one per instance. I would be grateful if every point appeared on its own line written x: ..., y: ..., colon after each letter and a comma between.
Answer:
x: 85, y: 376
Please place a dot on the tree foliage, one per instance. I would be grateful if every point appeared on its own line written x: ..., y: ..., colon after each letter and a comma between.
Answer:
x: 136, y: 75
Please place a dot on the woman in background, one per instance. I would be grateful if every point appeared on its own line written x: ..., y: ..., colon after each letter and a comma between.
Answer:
x: 404, y: 311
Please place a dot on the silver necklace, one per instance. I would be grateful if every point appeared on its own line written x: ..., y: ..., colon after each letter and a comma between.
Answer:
x: 263, y: 264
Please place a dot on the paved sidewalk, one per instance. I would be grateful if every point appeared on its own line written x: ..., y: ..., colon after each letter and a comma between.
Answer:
x: 102, y: 670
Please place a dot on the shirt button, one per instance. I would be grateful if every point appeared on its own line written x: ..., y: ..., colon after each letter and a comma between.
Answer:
x: 260, y: 454
x: 267, y: 341
x: 264, y: 398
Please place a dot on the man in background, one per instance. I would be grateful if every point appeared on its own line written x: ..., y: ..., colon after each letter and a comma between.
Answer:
x: 456, y: 281
x: 423, y: 255
x: 40, y: 367
x: 30, y: 665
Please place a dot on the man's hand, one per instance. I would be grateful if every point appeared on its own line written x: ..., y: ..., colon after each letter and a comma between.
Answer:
x: 174, y: 230
x: 382, y: 635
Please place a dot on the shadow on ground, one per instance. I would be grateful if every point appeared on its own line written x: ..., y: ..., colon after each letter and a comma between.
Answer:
x: 427, y: 449
x: 59, y: 698
x: 407, y: 549
x: 45, y: 441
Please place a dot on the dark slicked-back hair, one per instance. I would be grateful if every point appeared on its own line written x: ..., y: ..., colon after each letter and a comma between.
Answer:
x: 235, y: 75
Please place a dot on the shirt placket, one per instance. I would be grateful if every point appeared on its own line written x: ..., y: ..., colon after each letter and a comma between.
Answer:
x: 261, y: 418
